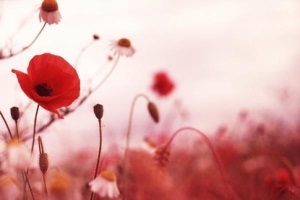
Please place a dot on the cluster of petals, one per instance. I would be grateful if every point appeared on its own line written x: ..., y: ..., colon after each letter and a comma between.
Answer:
x: 162, y: 84
x: 51, y: 82
x: 16, y: 155
x: 105, y: 185
x: 49, y: 12
x: 122, y: 47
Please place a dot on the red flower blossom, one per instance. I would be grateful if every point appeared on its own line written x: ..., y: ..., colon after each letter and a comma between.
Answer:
x: 51, y: 82
x: 162, y: 84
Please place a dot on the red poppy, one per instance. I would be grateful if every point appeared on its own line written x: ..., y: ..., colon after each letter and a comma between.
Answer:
x: 51, y: 82
x: 162, y: 84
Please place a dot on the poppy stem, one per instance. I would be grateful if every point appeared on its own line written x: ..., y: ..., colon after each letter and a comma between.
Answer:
x: 3, y: 118
x: 34, y: 127
x: 99, y: 154
x: 217, y: 159
x: 128, y: 134
x: 17, y: 129
x: 28, y: 183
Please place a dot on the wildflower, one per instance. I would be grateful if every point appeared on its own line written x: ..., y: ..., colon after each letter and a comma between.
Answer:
x: 105, y: 185
x: 123, y: 47
x: 49, y: 12
x: 51, y: 82
x: 162, y: 84
x: 17, y: 156
x: 59, y: 185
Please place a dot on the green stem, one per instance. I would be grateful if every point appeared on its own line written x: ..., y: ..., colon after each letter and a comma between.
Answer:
x: 218, y: 161
x: 6, y: 125
x: 34, y: 128
x: 128, y: 135
x: 99, y: 154
x: 29, y: 185
x: 109, y: 73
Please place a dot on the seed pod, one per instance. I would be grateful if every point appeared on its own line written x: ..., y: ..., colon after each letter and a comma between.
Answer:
x: 43, y: 162
x: 153, y: 111
x: 98, y: 110
x: 15, y: 113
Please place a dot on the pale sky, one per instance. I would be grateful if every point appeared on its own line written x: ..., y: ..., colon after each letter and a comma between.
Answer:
x: 224, y: 56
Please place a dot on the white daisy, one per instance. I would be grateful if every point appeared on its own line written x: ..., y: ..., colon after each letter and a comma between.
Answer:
x: 122, y: 47
x: 16, y: 155
x: 49, y: 12
x: 105, y: 185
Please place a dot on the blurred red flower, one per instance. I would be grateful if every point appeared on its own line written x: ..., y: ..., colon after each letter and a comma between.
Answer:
x: 51, y: 82
x: 162, y: 84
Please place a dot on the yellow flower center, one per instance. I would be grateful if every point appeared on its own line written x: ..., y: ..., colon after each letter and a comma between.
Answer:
x: 13, y: 142
x: 49, y: 6
x: 108, y: 175
x: 59, y: 184
x: 124, y: 42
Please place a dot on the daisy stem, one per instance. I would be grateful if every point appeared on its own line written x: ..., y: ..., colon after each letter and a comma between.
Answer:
x: 3, y: 118
x: 81, y: 53
x: 128, y: 133
x: 26, y: 47
x: 99, y: 154
x: 217, y: 159
x: 34, y: 127
x: 36, y: 37
x: 108, y: 75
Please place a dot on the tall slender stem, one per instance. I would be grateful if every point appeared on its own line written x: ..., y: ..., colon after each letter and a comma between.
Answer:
x: 36, y: 37
x: 128, y: 135
x: 17, y: 129
x: 81, y: 53
x: 34, y: 128
x: 217, y: 159
x: 26, y: 47
x: 6, y: 125
x: 29, y: 185
x: 109, y: 73
x: 99, y: 154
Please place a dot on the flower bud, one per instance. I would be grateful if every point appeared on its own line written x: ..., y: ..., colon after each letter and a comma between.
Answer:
x: 43, y: 162
x: 161, y: 157
x: 98, y: 110
x: 15, y: 113
x: 153, y: 111
x: 96, y: 37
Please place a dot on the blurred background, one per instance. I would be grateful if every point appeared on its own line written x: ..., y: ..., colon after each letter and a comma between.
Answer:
x: 225, y: 57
